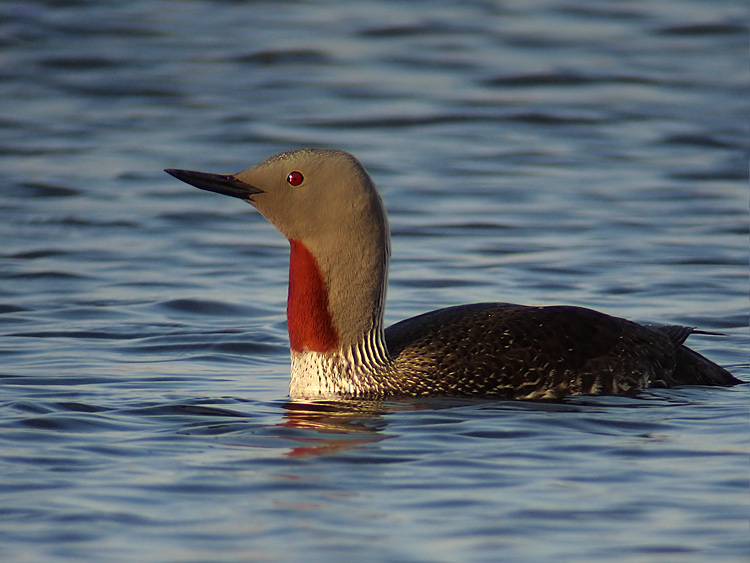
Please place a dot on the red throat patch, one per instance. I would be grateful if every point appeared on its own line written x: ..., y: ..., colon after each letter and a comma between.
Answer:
x: 308, y: 318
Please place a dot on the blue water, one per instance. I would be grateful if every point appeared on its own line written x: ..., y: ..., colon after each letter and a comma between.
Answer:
x: 574, y: 152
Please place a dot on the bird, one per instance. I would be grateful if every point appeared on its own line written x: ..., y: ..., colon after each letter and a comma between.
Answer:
x: 327, y: 206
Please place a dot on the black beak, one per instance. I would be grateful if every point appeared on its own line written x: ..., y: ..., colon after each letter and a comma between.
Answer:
x: 225, y: 184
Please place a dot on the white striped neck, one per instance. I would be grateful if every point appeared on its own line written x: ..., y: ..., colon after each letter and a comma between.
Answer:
x: 352, y: 372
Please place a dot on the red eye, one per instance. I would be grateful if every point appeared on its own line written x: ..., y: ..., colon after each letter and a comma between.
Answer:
x: 295, y: 178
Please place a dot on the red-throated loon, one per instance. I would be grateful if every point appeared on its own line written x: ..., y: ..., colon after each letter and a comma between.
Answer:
x: 326, y: 204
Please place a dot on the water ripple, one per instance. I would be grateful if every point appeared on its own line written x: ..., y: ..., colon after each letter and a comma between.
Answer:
x: 577, y: 152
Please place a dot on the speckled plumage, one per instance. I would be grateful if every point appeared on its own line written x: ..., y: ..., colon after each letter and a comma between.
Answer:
x: 325, y: 203
x: 519, y: 352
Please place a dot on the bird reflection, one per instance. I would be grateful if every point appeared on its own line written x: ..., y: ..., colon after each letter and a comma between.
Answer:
x: 335, y: 426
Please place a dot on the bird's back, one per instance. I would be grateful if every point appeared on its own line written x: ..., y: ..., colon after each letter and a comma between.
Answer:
x: 520, y: 352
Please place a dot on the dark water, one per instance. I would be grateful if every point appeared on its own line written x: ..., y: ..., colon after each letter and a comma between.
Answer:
x: 532, y: 151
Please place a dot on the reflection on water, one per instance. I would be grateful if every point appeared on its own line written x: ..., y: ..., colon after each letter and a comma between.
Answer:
x: 335, y: 427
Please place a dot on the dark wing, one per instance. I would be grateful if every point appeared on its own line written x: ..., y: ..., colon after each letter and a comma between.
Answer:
x: 514, y: 351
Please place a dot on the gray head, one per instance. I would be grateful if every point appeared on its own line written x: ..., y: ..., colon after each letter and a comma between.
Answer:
x: 307, y: 194
x: 326, y: 200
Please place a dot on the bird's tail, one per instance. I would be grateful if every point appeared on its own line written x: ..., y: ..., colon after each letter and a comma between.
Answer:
x: 693, y: 369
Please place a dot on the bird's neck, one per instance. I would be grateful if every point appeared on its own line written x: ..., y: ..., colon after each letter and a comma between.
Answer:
x: 335, y: 317
x: 308, y: 313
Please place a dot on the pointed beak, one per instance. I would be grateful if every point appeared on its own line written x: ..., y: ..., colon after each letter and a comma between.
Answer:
x: 225, y: 184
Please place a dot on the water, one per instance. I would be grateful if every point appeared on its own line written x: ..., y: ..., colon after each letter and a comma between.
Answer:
x: 537, y: 151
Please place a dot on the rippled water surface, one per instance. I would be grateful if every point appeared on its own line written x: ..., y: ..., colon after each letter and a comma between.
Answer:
x: 591, y: 153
